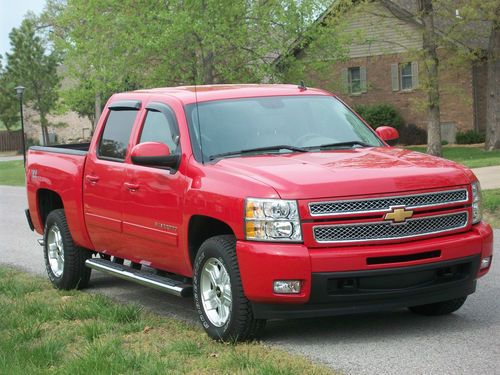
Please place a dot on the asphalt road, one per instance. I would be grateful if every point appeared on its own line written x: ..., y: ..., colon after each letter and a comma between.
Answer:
x: 467, y: 342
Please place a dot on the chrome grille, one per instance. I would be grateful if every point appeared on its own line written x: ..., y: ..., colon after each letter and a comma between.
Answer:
x: 387, y: 230
x: 385, y: 203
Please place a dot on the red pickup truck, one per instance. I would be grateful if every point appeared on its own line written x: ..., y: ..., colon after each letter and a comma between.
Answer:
x: 261, y: 201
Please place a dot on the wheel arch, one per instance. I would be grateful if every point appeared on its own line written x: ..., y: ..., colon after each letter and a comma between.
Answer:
x: 201, y: 228
x: 48, y: 201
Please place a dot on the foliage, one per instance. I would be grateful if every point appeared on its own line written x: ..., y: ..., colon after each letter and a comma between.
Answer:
x: 380, y: 114
x: 470, y: 137
x: 31, y: 65
x: 117, y: 45
x: 45, y: 331
x: 9, y: 105
x: 411, y: 134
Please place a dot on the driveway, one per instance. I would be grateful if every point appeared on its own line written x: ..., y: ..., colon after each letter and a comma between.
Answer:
x: 384, y: 343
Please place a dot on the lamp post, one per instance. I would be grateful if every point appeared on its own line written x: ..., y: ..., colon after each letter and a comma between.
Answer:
x: 19, y: 92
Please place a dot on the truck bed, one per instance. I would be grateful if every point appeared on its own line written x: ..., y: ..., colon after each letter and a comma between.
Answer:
x: 58, y: 170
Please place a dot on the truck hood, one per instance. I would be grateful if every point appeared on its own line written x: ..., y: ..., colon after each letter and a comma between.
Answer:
x: 350, y: 172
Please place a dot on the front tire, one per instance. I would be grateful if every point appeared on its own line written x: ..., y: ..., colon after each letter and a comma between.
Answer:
x: 224, y: 311
x: 439, y: 308
x: 64, y: 261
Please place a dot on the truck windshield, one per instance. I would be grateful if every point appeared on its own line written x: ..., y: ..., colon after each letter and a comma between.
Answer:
x: 278, y: 124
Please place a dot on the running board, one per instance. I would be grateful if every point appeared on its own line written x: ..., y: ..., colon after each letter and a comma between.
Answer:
x: 165, y: 284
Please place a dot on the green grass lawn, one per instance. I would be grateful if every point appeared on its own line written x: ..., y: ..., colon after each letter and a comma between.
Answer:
x: 471, y: 156
x: 44, y: 331
x: 491, y: 205
x: 12, y: 173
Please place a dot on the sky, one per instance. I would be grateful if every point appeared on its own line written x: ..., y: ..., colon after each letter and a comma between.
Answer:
x: 12, y: 13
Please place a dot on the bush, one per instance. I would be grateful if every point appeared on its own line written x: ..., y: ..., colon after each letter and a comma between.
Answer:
x: 470, y: 137
x: 411, y: 134
x: 380, y: 114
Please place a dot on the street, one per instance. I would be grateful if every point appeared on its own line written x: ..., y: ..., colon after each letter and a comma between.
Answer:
x: 383, y: 343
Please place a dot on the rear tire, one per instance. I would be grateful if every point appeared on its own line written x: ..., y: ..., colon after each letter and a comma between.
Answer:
x: 64, y: 261
x: 224, y: 311
x: 439, y: 308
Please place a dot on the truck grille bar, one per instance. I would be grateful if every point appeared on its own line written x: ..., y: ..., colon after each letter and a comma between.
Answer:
x: 374, y: 231
x: 370, y: 205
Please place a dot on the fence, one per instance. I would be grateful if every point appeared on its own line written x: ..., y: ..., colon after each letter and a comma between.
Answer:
x: 12, y: 141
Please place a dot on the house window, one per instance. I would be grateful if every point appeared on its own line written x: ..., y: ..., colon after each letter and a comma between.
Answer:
x: 355, y: 79
x: 406, y: 78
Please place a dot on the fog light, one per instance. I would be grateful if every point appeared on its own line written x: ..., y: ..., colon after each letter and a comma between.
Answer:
x: 287, y: 286
x: 485, y: 263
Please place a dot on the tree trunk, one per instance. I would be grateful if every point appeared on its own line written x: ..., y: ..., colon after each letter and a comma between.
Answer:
x: 45, y: 132
x: 98, y: 110
x: 431, y: 61
x: 493, y: 87
x: 208, y: 69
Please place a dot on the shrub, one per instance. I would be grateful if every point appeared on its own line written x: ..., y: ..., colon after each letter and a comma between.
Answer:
x: 469, y: 137
x: 411, y: 134
x: 380, y: 114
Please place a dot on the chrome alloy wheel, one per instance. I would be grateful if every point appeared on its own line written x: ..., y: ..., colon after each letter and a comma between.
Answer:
x: 55, y: 251
x: 216, y: 296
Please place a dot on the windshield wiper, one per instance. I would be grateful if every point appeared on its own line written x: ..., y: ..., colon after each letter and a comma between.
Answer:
x: 342, y: 144
x: 251, y: 150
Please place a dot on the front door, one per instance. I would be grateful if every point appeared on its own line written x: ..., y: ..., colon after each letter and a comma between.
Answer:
x: 153, y: 197
x: 104, y: 176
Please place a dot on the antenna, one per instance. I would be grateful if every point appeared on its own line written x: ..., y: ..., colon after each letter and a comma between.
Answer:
x: 302, y: 86
x: 198, y: 119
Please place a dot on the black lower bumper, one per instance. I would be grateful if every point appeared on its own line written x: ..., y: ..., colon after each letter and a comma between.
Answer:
x: 341, y: 293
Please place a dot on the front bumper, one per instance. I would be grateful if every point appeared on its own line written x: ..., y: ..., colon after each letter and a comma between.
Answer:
x: 405, y: 280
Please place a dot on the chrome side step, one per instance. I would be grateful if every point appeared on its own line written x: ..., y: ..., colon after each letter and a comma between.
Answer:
x: 165, y: 284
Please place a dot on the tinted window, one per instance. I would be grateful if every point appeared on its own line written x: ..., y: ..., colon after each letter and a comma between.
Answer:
x: 116, y: 134
x: 158, y: 128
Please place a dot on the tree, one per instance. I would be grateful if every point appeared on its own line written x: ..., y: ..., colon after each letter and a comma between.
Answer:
x: 493, y: 98
x: 9, y: 105
x: 471, y: 28
x: 431, y: 62
x: 31, y: 65
x: 114, y: 45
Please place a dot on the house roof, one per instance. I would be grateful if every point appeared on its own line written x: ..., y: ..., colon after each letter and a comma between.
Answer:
x: 406, y: 10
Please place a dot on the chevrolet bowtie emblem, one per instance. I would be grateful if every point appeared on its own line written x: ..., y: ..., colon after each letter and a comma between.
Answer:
x: 398, y: 215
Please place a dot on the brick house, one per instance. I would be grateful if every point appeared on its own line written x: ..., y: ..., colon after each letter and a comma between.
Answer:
x: 383, y: 68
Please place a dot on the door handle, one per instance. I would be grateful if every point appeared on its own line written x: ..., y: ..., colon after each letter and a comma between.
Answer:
x: 131, y: 187
x: 92, y: 179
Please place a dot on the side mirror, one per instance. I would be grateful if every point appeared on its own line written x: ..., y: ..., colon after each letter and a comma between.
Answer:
x: 387, y: 133
x: 154, y: 154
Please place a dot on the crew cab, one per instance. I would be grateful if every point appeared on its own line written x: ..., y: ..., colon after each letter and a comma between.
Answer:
x: 260, y: 201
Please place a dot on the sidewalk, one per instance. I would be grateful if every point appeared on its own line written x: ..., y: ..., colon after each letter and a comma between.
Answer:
x: 489, y: 177
x: 9, y: 158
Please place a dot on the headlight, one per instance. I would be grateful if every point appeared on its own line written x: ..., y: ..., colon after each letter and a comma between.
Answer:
x: 272, y: 220
x: 477, y: 213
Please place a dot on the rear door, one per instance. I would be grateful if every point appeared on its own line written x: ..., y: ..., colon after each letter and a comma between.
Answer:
x: 153, y: 196
x: 104, y: 176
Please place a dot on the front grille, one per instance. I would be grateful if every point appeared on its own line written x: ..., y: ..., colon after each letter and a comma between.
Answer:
x: 387, y: 230
x: 385, y: 203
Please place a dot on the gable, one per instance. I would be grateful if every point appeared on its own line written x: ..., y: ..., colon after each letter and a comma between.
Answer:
x: 378, y: 32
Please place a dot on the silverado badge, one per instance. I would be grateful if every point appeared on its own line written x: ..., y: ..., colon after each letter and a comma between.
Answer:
x: 398, y: 214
